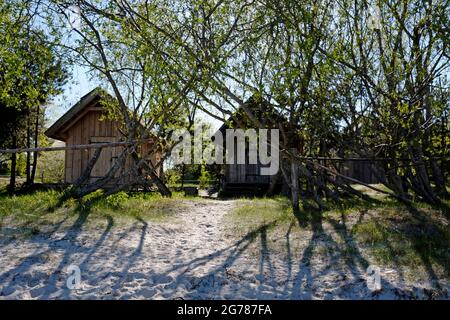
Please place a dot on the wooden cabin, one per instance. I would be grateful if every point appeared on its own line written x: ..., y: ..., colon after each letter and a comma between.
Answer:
x: 86, y: 123
x: 244, y: 178
x: 359, y: 170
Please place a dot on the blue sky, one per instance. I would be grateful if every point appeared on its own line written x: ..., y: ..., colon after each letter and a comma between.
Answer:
x: 80, y: 84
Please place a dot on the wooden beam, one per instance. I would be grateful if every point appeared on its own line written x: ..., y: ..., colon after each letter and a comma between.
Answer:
x: 76, y: 147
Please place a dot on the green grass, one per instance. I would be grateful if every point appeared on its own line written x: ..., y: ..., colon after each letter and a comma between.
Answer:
x: 383, y: 231
x: 393, y: 236
x: 29, y: 213
x: 254, y: 213
x: 370, y: 233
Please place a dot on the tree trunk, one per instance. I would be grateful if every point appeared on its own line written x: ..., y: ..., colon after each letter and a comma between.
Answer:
x: 161, y: 172
x: 422, y: 181
x: 28, y: 166
x: 162, y: 188
x: 438, y: 178
x: 36, y: 138
x: 183, y: 169
x: 273, y: 184
x: 294, y: 186
x: 81, y: 191
x: 87, y: 172
x: 12, y: 179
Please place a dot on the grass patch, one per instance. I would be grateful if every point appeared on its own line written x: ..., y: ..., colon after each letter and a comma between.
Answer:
x: 396, y: 237
x: 27, y: 214
x: 251, y: 214
x: 370, y: 233
x: 382, y: 231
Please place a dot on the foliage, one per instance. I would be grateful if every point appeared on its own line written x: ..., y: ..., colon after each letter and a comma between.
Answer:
x: 365, y: 78
x: 205, y: 177
x: 50, y: 167
x: 41, y: 209
x: 30, y: 74
x: 172, y: 177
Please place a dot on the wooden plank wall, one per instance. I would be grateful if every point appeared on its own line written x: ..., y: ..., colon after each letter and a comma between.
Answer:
x: 80, y: 133
x: 360, y: 170
x: 244, y: 173
x: 89, y: 129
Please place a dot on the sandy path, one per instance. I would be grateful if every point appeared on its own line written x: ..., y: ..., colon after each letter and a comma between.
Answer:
x: 191, y: 258
x: 141, y: 260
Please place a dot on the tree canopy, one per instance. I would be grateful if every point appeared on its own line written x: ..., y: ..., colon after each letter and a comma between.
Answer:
x: 352, y: 78
x: 30, y: 74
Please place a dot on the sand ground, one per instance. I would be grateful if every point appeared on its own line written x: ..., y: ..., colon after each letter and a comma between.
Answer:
x: 189, y: 257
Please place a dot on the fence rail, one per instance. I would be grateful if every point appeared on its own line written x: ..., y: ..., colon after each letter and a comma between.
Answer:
x: 75, y: 147
x: 125, y: 143
x: 367, y: 158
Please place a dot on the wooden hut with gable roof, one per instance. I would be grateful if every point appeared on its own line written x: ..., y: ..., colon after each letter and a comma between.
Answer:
x: 87, y: 123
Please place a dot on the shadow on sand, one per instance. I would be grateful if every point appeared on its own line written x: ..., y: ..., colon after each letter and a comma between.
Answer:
x: 301, y: 277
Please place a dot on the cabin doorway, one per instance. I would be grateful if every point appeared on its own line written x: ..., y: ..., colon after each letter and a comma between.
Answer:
x: 106, y: 158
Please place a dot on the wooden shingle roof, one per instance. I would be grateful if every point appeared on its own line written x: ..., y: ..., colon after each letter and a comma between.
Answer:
x: 58, y: 129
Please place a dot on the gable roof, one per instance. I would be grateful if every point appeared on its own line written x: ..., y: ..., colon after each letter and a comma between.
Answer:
x: 260, y: 109
x: 89, y: 102
x: 56, y: 131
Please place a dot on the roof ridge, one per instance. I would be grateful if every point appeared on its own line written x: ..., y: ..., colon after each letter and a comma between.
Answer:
x: 83, y: 102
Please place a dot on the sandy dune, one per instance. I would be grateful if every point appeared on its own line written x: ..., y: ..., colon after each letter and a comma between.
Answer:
x: 191, y: 258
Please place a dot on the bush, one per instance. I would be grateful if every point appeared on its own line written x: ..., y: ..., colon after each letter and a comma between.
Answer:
x: 115, y: 200
x: 50, y: 168
x: 205, y: 177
